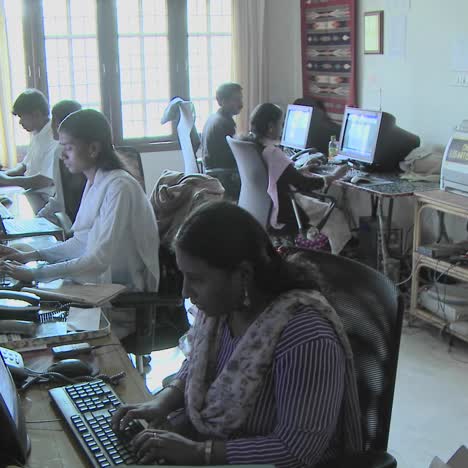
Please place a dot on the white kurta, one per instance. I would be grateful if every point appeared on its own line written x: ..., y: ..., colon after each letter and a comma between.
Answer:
x: 39, y: 159
x: 115, y: 237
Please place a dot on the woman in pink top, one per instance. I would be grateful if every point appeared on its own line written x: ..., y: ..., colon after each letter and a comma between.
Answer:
x: 265, y: 129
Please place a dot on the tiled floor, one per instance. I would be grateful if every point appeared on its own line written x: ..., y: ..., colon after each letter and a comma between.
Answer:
x: 430, y: 411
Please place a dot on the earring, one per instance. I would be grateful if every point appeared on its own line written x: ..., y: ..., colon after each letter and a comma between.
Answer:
x: 246, y: 303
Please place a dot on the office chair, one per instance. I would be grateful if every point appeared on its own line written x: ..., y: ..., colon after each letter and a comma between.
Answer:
x: 254, y: 185
x: 132, y: 162
x: 183, y: 112
x: 73, y: 186
x: 160, y: 316
x: 371, y: 310
x: 176, y: 195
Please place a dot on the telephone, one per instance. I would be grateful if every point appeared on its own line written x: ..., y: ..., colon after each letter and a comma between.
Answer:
x: 14, y: 361
x: 18, y: 305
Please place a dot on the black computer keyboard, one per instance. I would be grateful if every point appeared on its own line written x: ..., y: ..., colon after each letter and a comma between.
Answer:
x: 324, y: 169
x: 87, y: 409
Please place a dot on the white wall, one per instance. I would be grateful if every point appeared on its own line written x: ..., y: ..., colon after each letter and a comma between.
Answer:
x: 283, y: 51
x: 416, y: 88
x: 155, y: 163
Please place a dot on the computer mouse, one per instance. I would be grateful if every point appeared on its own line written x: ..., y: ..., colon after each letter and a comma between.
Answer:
x: 359, y: 180
x: 71, y: 368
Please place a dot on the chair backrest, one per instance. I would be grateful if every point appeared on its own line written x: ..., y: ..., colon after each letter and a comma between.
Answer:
x: 184, y: 131
x: 132, y: 161
x: 183, y: 112
x: 369, y: 305
x: 73, y: 186
x: 254, y: 179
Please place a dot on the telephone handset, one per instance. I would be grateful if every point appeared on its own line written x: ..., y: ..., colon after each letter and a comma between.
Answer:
x: 18, y: 305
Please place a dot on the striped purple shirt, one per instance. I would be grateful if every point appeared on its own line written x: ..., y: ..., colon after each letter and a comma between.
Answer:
x: 296, y: 420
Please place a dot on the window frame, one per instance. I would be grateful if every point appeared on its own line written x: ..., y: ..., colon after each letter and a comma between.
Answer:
x: 107, y: 42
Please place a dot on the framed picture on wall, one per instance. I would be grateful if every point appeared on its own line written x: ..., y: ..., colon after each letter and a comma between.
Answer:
x: 373, y: 32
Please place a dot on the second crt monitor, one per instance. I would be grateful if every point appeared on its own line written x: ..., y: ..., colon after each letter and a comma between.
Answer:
x: 374, y: 139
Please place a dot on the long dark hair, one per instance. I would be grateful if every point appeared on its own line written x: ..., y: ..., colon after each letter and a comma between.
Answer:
x: 225, y: 235
x: 260, y: 119
x: 91, y: 126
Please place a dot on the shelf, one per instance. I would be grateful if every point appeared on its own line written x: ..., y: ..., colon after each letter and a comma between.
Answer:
x: 444, y: 201
x: 453, y: 204
x: 440, y: 266
x: 436, y: 322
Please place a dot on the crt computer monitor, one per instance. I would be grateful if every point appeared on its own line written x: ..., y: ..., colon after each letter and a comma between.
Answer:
x: 14, y: 442
x: 373, y: 139
x: 296, y: 127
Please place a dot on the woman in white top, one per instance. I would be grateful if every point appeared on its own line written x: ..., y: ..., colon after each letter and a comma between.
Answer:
x: 115, y: 235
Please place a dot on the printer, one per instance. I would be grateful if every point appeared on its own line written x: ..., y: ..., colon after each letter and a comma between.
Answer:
x: 454, y: 171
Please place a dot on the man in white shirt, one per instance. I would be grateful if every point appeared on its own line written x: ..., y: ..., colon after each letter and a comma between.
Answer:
x: 35, y: 173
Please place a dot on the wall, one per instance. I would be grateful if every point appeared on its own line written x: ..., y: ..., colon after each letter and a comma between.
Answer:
x: 416, y: 88
x: 283, y: 51
x: 155, y: 163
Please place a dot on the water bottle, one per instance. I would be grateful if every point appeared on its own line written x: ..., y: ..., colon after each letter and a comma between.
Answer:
x: 332, y: 147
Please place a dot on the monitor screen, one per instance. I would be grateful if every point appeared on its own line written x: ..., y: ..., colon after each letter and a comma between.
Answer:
x: 13, y: 438
x: 296, y: 126
x: 359, y: 135
x: 373, y: 138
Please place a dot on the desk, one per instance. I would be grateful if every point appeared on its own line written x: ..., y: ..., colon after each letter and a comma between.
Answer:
x: 51, y: 445
x: 396, y: 188
x: 21, y: 209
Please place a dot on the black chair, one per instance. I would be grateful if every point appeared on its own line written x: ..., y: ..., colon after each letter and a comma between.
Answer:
x: 160, y: 316
x: 132, y: 162
x: 73, y: 186
x: 371, y: 309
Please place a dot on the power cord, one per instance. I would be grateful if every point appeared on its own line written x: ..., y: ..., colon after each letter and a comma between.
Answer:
x: 45, y: 377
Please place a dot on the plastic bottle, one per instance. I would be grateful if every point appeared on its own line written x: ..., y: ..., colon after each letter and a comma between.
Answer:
x: 332, y: 147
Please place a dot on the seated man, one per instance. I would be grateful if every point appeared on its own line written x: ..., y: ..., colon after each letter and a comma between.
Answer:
x: 68, y: 187
x: 35, y: 172
x: 217, y: 157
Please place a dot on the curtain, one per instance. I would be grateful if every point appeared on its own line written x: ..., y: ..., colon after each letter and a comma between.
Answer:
x: 7, y: 136
x: 249, y: 61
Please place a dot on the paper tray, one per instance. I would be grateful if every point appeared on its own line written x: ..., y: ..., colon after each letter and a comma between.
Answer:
x: 53, y: 333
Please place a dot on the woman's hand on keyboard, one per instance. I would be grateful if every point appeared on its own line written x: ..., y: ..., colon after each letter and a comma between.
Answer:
x: 340, y: 172
x: 149, y: 411
x: 8, y: 253
x: 153, y: 445
x: 17, y: 271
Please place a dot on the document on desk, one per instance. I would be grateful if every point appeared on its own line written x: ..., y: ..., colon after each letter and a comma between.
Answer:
x: 86, y: 294
x: 83, y: 319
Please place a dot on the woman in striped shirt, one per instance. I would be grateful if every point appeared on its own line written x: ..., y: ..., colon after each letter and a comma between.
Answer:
x: 269, y: 378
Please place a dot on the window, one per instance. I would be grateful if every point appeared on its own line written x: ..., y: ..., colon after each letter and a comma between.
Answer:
x: 127, y: 57
x: 71, y: 50
x: 144, y: 66
x: 209, y: 36
x: 14, y: 13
